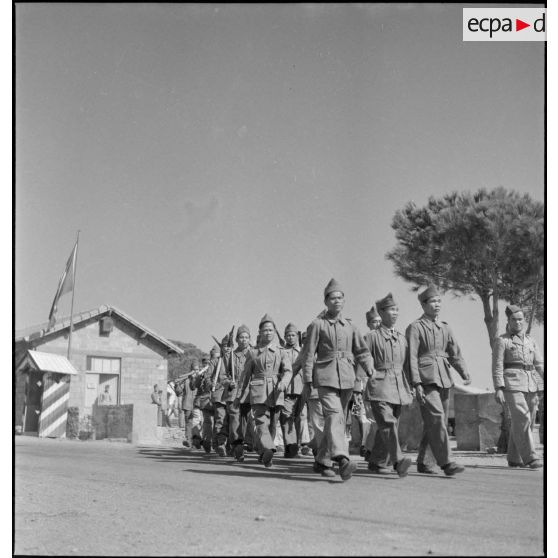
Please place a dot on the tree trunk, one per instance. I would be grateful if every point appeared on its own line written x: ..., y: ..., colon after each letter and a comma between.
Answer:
x: 491, y: 315
x: 534, y: 305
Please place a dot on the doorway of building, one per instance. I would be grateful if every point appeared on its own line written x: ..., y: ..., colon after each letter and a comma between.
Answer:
x: 35, y: 387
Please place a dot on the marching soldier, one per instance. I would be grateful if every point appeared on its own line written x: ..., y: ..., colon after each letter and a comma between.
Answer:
x: 218, y: 381
x: 292, y: 394
x: 239, y: 415
x: 267, y: 374
x: 373, y: 321
x: 432, y: 349
x: 187, y: 402
x: 388, y: 390
x: 515, y: 361
x: 333, y: 345
x: 203, y: 401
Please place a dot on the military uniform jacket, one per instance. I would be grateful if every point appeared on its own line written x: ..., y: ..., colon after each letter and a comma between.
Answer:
x: 432, y: 349
x: 221, y: 394
x: 517, y: 363
x: 203, y: 396
x: 389, y: 354
x: 265, y: 367
x: 295, y: 386
x: 188, y: 394
x: 239, y: 357
x: 332, y: 348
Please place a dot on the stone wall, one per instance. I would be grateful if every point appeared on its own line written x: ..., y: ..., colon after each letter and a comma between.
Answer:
x: 478, y: 418
x: 113, y: 421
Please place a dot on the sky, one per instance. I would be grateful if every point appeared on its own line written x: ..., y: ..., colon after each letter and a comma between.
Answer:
x: 225, y: 161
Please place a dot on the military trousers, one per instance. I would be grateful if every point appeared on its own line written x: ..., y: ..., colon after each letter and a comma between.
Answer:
x: 386, y: 449
x: 334, y: 444
x: 247, y: 433
x: 197, y: 423
x: 265, y: 419
x: 233, y: 433
x: 207, y: 425
x: 316, y: 425
x: 287, y: 420
x: 301, y: 425
x: 188, y: 419
x: 434, y: 412
x: 521, y: 446
x: 219, y: 437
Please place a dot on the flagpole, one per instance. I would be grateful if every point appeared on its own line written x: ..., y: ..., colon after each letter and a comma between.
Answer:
x: 72, y: 309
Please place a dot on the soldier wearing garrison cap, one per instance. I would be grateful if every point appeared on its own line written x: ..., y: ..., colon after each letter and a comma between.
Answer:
x: 217, y: 382
x: 287, y: 417
x: 332, y: 348
x: 267, y: 373
x: 203, y: 400
x: 516, y: 360
x: 388, y: 390
x: 188, y: 394
x: 432, y: 349
x: 373, y: 319
x: 239, y: 416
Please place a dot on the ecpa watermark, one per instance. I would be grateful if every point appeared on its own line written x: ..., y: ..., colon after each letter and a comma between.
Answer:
x: 504, y: 24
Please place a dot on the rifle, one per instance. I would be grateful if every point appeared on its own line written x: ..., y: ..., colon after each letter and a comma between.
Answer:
x: 231, y: 345
x: 216, y: 375
x: 281, y: 340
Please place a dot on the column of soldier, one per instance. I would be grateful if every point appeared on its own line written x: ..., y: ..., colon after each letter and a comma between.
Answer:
x: 305, y: 385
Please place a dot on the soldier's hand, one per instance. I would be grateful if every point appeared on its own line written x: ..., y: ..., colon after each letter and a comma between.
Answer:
x: 499, y: 396
x: 232, y: 385
x: 281, y: 386
x: 419, y: 390
x: 467, y: 380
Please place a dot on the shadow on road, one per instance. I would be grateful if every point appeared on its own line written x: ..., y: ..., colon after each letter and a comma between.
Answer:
x: 296, y: 469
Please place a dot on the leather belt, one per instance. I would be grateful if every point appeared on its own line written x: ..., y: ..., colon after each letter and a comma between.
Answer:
x: 519, y: 366
x: 333, y: 354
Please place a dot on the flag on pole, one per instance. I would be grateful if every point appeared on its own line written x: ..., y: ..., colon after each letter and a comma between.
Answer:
x: 65, y: 285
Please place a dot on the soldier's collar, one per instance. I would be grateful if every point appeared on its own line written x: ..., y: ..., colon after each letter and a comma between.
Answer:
x: 295, y: 346
x: 272, y: 347
x: 333, y: 320
x: 429, y: 321
x: 387, y: 332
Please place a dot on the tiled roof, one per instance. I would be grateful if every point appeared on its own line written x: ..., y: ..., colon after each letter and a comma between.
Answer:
x: 40, y: 330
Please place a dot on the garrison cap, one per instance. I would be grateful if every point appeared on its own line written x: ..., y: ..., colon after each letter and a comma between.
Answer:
x: 266, y: 318
x: 242, y: 329
x: 512, y: 309
x: 225, y: 340
x: 428, y: 293
x: 332, y: 287
x: 385, y: 302
x: 290, y: 327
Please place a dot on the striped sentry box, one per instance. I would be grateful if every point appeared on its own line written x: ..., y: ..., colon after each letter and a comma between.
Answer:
x: 54, y: 413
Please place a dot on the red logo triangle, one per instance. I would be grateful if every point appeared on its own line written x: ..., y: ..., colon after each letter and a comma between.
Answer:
x: 519, y: 25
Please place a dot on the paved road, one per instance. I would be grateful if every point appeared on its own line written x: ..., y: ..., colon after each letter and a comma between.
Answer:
x: 103, y: 498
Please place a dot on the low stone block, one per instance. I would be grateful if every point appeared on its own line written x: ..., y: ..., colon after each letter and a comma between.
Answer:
x: 478, y: 419
x: 410, y: 427
x: 144, y: 428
